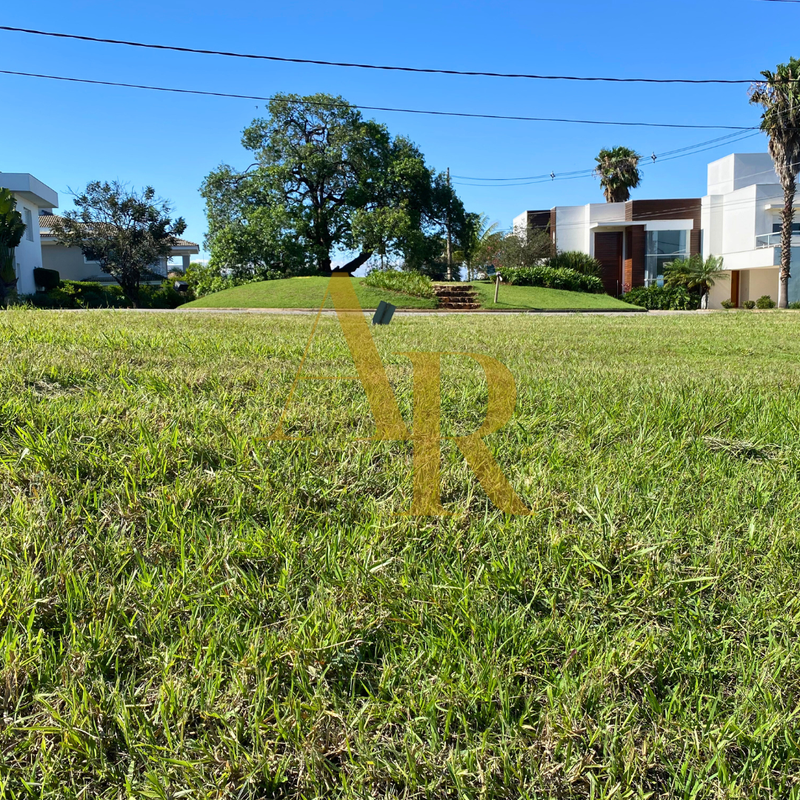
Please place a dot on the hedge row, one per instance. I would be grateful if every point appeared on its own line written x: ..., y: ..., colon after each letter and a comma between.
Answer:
x: 89, y: 294
x: 663, y: 298
x: 552, y: 278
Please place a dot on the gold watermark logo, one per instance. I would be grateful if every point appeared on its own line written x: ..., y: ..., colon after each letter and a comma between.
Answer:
x: 426, y: 434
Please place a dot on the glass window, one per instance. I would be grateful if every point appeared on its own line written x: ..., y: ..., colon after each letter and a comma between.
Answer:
x: 661, y: 248
x: 27, y: 218
x: 776, y: 227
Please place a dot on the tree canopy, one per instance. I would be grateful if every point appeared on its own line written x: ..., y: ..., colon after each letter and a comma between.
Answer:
x: 326, y: 182
x: 618, y: 168
x: 126, y: 232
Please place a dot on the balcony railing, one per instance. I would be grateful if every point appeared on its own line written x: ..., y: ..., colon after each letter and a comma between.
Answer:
x: 774, y: 240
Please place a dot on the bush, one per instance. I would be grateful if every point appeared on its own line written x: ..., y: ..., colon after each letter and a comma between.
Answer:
x: 205, y: 279
x: 728, y: 304
x: 794, y: 306
x: 90, y: 294
x: 46, y: 278
x: 765, y: 301
x: 749, y: 304
x: 663, y: 298
x: 413, y: 283
x: 577, y: 261
x: 552, y: 278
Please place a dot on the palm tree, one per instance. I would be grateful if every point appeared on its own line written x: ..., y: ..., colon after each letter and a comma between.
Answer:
x: 696, y: 272
x: 779, y: 95
x: 481, y: 237
x: 618, y: 168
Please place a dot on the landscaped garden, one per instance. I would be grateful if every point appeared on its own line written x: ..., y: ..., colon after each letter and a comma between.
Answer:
x: 191, y: 609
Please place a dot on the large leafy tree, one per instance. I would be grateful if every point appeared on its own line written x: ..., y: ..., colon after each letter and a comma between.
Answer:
x: 11, y: 229
x: 125, y: 231
x: 779, y: 95
x: 618, y: 169
x: 325, y: 182
x: 517, y: 250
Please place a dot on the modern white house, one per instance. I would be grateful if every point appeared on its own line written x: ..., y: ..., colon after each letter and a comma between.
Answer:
x: 32, y: 197
x: 71, y: 264
x: 738, y: 219
x: 741, y: 221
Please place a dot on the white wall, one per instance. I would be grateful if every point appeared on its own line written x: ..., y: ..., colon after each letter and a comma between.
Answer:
x: 739, y: 170
x: 28, y: 255
x: 572, y: 228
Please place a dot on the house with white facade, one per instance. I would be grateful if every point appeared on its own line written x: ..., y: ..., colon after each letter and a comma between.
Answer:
x: 32, y: 197
x: 631, y: 240
x: 739, y: 219
x: 71, y: 264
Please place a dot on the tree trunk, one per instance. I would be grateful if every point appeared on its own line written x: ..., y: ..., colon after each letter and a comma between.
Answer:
x: 786, y: 241
x: 704, y: 300
x: 352, y: 266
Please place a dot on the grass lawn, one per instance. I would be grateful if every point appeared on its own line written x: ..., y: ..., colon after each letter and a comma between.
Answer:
x: 192, y: 610
x: 301, y: 293
x: 548, y: 299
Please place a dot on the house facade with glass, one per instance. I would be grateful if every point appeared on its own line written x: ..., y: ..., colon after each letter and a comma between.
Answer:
x: 631, y: 240
x: 741, y: 221
x: 738, y: 219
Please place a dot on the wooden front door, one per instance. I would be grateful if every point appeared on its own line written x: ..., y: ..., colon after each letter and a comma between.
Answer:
x: 608, y: 251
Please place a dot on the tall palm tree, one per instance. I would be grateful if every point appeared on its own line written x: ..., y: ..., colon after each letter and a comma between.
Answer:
x: 618, y: 168
x: 779, y: 95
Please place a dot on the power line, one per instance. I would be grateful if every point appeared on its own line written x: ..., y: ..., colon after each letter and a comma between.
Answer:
x: 514, y: 118
x: 355, y: 65
x: 670, y: 155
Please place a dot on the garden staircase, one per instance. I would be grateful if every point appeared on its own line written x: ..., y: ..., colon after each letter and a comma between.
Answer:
x: 456, y: 296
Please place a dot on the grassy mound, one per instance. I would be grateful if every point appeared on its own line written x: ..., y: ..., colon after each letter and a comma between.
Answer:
x: 302, y: 293
x: 193, y: 610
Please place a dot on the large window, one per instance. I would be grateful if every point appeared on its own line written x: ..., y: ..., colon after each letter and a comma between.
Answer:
x: 663, y: 247
x: 776, y: 228
x: 27, y: 218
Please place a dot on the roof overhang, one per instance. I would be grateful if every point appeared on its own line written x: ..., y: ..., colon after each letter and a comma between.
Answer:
x: 620, y: 224
x: 30, y: 189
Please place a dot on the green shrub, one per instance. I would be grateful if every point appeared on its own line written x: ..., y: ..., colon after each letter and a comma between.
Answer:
x: 205, y: 279
x: 794, y: 306
x: 577, y: 261
x: 90, y: 294
x: 164, y: 296
x: 552, y: 278
x: 663, y: 298
x: 749, y: 304
x: 765, y: 301
x: 413, y: 283
x: 728, y: 304
x: 46, y: 278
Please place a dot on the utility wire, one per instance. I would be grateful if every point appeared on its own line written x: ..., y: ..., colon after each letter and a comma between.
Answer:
x: 659, y: 156
x: 514, y: 118
x: 391, y: 68
x: 670, y: 155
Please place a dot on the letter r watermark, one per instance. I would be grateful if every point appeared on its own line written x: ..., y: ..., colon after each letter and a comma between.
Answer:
x: 426, y: 435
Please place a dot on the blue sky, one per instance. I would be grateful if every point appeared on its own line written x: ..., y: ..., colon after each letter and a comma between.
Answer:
x: 68, y: 134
